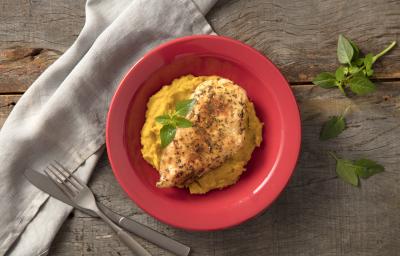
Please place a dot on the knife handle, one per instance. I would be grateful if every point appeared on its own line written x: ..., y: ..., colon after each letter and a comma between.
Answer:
x: 154, y: 237
x: 132, y: 243
x: 148, y: 233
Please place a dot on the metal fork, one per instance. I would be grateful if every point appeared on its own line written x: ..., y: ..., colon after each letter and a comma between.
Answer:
x: 82, y: 196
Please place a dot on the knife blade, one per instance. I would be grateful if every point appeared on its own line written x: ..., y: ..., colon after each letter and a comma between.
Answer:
x: 44, y: 183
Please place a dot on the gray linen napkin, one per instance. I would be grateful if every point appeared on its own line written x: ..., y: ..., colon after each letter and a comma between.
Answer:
x: 62, y: 115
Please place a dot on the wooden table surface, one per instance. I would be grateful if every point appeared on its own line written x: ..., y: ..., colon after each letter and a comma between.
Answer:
x: 317, y: 214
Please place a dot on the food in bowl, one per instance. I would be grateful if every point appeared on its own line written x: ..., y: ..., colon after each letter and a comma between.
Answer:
x: 211, y: 143
x: 271, y: 165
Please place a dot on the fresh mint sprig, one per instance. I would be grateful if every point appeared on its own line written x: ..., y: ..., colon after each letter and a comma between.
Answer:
x: 173, y: 120
x: 350, y: 171
x: 355, y: 71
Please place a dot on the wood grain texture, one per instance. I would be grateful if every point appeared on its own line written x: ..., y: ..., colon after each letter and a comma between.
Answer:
x: 7, y: 102
x: 52, y: 24
x: 317, y: 214
x: 19, y: 67
x: 300, y: 37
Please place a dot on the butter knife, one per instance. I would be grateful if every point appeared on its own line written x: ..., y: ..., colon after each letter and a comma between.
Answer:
x: 45, y: 184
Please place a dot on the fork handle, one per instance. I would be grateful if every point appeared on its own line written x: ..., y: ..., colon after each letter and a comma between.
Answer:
x: 125, y: 237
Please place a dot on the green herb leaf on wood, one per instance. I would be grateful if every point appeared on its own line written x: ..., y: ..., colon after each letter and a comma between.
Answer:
x: 368, y: 168
x: 361, y: 85
x: 358, y: 62
x: 355, y: 49
x: 340, y: 73
x: 332, y: 128
x: 350, y: 171
x: 368, y: 61
x: 354, y: 67
x: 345, y: 51
x: 347, y: 171
x: 325, y: 80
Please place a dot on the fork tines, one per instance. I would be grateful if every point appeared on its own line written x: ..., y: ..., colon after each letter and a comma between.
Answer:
x: 58, y: 173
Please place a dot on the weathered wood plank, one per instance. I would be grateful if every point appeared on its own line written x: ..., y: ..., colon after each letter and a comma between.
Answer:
x: 7, y: 102
x: 317, y: 214
x: 19, y: 67
x: 42, y: 24
x: 300, y: 36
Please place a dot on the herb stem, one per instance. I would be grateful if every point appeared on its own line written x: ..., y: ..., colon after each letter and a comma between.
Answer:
x: 333, y: 155
x: 346, y: 110
x: 351, y: 75
x: 383, y: 52
x: 341, y: 89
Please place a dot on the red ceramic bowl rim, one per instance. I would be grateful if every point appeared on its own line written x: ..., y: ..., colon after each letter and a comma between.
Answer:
x: 292, y: 152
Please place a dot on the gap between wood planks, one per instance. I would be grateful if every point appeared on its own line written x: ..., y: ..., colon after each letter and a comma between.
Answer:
x: 381, y: 80
x: 11, y: 93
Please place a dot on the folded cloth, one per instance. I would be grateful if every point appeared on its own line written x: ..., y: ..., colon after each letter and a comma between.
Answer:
x: 62, y: 115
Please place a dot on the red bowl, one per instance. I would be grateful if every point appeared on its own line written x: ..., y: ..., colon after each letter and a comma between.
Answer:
x: 267, y: 172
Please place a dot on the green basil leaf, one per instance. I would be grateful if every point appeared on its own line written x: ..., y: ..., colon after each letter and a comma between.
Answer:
x: 347, y: 171
x: 182, y: 122
x: 368, y: 169
x: 355, y: 48
x: 163, y: 119
x: 354, y: 69
x: 325, y: 80
x: 340, y: 73
x: 361, y: 85
x: 182, y: 108
x: 167, y: 134
x: 345, y: 51
x: 332, y: 128
x: 368, y: 61
x: 358, y: 62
